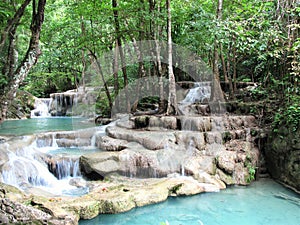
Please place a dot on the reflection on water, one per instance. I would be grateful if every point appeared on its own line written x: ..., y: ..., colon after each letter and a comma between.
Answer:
x: 257, y: 204
x: 38, y: 125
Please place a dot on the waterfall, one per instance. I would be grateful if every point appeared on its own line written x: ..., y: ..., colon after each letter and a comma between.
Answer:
x: 65, y: 168
x: 199, y: 93
x: 62, y: 103
x: 182, y: 170
x: 54, y: 143
x: 22, y: 168
x: 41, y: 106
x: 27, y: 168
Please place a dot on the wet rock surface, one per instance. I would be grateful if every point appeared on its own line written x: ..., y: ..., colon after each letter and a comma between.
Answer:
x: 141, y: 166
x: 203, y: 144
x: 18, y: 208
x: 283, y: 157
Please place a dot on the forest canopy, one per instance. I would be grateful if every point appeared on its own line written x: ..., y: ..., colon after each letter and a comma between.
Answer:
x: 250, y: 41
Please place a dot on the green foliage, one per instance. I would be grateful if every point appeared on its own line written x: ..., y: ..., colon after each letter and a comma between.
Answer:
x: 251, y: 171
x: 263, y: 43
x: 259, y: 93
x: 41, y: 84
x: 6, y: 11
x: 102, y: 105
x: 288, y: 116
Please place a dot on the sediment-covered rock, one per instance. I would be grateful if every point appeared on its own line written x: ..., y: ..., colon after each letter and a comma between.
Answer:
x: 143, y: 166
x: 18, y: 208
x: 283, y: 157
x: 207, y: 144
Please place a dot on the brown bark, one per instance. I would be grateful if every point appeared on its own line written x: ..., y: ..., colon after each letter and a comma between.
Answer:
x: 162, y: 105
x: 142, y: 72
x: 231, y: 91
x: 223, y: 64
x: 234, y: 67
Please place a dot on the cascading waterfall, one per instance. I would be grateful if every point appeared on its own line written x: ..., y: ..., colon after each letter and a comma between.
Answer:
x: 65, y: 167
x: 201, y: 92
x: 62, y: 103
x: 23, y: 169
x: 28, y: 167
x: 41, y: 108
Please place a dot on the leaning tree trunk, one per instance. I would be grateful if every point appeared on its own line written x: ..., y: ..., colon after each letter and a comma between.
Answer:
x: 30, y: 58
x: 172, y: 100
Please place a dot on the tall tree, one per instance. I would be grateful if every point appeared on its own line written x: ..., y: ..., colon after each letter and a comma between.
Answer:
x: 17, y: 73
x: 217, y: 94
x: 121, y: 52
x: 172, y: 99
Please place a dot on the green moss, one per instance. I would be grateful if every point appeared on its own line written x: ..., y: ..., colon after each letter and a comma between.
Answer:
x: 175, y: 189
x: 226, y: 136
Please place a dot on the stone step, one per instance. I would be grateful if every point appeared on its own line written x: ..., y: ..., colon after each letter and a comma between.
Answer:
x: 193, y: 123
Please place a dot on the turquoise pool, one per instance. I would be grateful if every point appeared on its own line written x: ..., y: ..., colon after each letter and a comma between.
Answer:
x: 257, y: 204
x: 38, y: 125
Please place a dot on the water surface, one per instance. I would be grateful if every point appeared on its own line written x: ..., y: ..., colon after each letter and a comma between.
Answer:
x: 38, y: 125
x: 256, y: 204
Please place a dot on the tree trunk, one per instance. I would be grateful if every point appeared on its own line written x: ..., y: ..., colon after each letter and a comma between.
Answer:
x: 172, y: 99
x: 83, y: 57
x: 234, y: 67
x: 231, y: 91
x: 115, y: 72
x: 223, y: 64
x: 217, y: 94
x: 142, y: 72
x: 30, y: 58
x: 121, y: 52
x: 99, y: 70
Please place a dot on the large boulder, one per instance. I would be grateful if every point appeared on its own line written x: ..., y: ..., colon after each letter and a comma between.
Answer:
x: 110, y: 144
x: 97, y: 166
x: 153, y: 140
x: 18, y: 208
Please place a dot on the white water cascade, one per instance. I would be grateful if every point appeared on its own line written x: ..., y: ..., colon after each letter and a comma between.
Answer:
x: 41, y: 106
x: 201, y: 92
x: 62, y: 104
x: 66, y: 167
x: 28, y: 168
x: 23, y: 170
